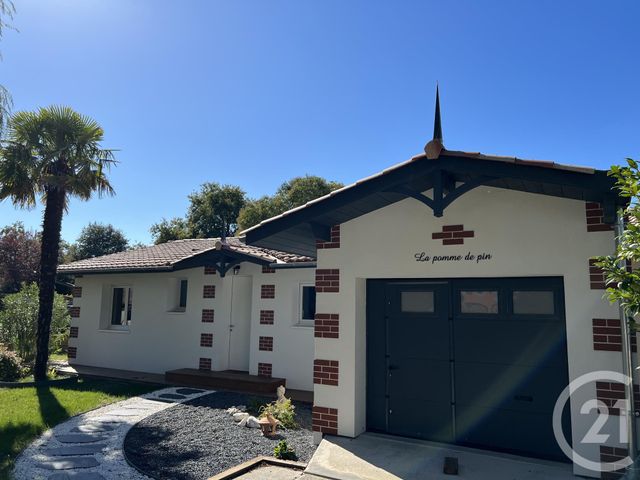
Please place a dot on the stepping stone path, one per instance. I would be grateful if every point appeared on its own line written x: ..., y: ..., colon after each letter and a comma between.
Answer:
x: 89, y: 446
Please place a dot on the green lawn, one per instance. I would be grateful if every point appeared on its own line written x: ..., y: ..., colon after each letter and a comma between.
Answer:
x: 27, y: 412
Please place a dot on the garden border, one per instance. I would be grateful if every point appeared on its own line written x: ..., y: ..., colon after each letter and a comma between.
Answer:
x: 40, y: 383
x: 256, y: 462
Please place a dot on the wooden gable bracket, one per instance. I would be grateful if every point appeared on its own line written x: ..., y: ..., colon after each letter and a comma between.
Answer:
x: 444, y: 191
x: 223, y: 265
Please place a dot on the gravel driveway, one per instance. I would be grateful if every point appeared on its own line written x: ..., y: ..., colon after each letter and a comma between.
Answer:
x: 198, y: 439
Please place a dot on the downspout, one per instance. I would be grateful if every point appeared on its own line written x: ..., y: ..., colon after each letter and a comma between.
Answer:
x: 627, y: 359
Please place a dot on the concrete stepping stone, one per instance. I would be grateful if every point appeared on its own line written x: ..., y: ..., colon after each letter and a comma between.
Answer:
x: 76, y: 476
x: 172, y: 396
x: 80, y: 438
x: 188, y: 391
x: 74, y: 450
x: 68, y: 463
x: 93, y: 428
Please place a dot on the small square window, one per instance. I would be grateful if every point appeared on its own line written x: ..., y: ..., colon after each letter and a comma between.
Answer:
x: 533, y: 303
x: 417, y: 302
x: 483, y: 302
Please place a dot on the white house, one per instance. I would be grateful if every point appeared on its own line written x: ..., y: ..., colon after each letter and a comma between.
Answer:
x: 456, y: 299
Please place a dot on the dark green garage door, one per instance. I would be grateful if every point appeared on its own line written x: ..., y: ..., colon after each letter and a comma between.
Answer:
x: 477, y: 362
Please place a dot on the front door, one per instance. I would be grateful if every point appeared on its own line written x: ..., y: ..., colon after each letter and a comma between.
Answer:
x: 240, y: 323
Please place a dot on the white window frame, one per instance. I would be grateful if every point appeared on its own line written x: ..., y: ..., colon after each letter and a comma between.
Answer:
x: 303, y: 322
x: 128, y: 289
x: 173, y: 295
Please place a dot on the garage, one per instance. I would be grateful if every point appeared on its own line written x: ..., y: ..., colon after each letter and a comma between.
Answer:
x: 475, y: 362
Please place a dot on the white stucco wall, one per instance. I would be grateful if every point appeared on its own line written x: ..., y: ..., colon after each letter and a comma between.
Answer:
x: 158, y: 340
x: 525, y: 234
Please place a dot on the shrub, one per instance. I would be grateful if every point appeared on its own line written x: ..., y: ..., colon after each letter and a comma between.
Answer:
x: 284, y: 452
x: 283, y: 411
x: 10, y: 368
x: 19, y: 319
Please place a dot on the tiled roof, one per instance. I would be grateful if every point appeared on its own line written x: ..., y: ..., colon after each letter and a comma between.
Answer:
x: 166, y: 255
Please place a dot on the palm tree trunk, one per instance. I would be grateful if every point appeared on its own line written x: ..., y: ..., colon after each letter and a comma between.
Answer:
x: 51, y: 226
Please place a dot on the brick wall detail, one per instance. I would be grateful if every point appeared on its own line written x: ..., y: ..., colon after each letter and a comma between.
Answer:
x: 268, y: 269
x: 453, y: 235
x: 595, y: 220
x: 267, y: 317
x: 334, y: 241
x: 597, y: 279
x: 607, y: 335
x: 208, y: 315
x: 73, y: 332
x: 325, y: 420
x: 209, y: 270
x: 77, y: 292
x: 74, y: 312
x: 206, y: 339
x: 325, y: 372
x: 267, y: 291
x: 612, y: 455
x: 327, y: 325
x: 72, y: 352
x: 265, y: 344
x: 204, y: 364
x: 610, y: 392
x: 265, y: 370
x: 209, y: 291
x: 327, y: 280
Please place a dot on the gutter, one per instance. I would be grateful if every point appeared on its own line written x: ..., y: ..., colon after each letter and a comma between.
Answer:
x: 286, y: 266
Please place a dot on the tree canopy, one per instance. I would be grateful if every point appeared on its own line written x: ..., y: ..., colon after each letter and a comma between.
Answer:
x: 97, y: 239
x: 19, y: 257
x: 214, y: 210
x: 168, y: 230
x: 291, y: 194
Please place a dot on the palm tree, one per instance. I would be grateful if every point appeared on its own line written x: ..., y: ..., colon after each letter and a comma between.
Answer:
x: 51, y: 154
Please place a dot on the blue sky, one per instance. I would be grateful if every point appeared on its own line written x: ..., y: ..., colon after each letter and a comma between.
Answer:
x: 255, y: 92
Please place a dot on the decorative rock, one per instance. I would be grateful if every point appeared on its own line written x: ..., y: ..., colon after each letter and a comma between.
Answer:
x: 188, y: 391
x: 74, y: 450
x: 238, y: 417
x: 69, y: 463
x: 253, y: 422
x: 93, y: 428
x: 80, y: 438
x: 172, y: 396
x: 76, y: 476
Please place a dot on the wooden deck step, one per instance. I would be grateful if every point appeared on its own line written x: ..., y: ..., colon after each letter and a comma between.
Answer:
x: 228, y: 380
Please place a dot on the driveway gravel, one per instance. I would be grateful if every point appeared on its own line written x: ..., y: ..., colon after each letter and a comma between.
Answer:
x: 197, y: 439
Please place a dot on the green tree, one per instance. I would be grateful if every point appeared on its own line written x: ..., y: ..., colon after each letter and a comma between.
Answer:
x: 291, y: 194
x: 168, y: 230
x: 19, y: 322
x: 53, y: 153
x: 214, y: 210
x: 97, y: 239
x: 19, y: 257
x: 623, y: 283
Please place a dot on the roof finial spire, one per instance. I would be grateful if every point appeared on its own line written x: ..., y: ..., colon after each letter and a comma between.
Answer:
x: 435, y: 146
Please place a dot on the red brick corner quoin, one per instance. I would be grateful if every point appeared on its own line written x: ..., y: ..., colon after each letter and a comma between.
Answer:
x: 595, y: 218
x: 453, y: 235
x: 325, y: 420
x: 267, y: 291
x: 327, y: 280
x: 325, y: 372
x: 327, y: 325
x: 334, y: 241
x: 265, y: 370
